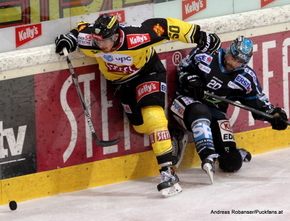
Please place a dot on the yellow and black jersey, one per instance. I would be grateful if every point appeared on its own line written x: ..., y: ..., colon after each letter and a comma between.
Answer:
x: 135, y: 47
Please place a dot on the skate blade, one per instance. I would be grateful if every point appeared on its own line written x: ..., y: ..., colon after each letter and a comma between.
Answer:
x: 171, y: 191
x: 183, y: 144
x: 208, y: 169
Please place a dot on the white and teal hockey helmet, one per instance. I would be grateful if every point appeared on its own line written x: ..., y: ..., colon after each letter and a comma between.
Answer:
x: 241, y: 49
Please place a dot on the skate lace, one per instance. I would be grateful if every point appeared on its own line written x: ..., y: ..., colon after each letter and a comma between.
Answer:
x: 166, y: 176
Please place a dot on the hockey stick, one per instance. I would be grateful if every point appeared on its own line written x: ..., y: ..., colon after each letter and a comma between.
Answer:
x: 99, y: 142
x: 261, y: 113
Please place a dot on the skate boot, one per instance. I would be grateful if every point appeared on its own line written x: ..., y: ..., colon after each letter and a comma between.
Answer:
x: 246, y: 155
x: 208, y: 166
x: 169, y: 182
x: 179, y: 142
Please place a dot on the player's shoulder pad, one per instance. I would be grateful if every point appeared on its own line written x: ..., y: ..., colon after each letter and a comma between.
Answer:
x: 176, y: 21
x: 154, y: 23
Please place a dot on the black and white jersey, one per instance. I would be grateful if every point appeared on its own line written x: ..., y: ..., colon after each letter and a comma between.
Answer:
x: 240, y: 84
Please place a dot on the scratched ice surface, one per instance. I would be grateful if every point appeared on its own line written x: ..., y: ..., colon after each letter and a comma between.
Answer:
x: 257, y: 192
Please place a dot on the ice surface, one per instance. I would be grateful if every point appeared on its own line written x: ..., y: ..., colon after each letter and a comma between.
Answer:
x: 261, y: 186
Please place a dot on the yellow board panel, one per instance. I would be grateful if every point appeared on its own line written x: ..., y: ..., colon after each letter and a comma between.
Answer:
x: 78, y: 177
x: 123, y: 168
x: 263, y: 140
x: 35, y: 11
x: 10, y: 14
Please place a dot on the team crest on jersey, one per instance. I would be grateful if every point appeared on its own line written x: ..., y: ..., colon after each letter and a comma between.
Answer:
x: 159, y: 30
x: 244, y: 82
x: 135, y: 40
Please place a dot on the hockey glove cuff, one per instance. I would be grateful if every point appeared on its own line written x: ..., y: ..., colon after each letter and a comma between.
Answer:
x: 67, y: 41
x: 279, y: 120
x: 209, y: 43
x: 193, y: 86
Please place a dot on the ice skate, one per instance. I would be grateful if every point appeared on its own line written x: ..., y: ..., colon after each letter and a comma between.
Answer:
x: 169, y: 183
x: 179, y: 142
x: 208, y: 166
x: 246, y: 155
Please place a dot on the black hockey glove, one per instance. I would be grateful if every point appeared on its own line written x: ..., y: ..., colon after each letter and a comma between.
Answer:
x: 67, y: 41
x: 208, y: 43
x: 280, y: 116
x: 193, y: 86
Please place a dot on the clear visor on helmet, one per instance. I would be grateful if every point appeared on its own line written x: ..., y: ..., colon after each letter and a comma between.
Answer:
x: 231, y: 62
x: 235, y: 57
x: 97, y: 39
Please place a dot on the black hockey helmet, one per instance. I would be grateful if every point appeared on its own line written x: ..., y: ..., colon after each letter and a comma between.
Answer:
x: 105, y: 27
x: 241, y: 49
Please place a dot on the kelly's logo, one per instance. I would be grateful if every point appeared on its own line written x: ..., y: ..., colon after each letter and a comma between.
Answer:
x: 137, y: 39
x: 27, y: 33
x: 191, y: 7
x: 120, y: 15
x: 147, y: 88
x: 266, y: 2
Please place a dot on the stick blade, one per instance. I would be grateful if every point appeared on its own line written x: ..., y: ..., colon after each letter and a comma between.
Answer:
x: 106, y: 143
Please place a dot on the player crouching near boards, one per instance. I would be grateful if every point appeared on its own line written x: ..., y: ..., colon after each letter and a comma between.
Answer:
x: 224, y: 73
x: 126, y: 57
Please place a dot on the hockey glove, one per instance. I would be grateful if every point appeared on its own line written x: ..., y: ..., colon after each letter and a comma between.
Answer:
x: 193, y: 86
x: 67, y: 41
x: 280, y: 116
x: 209, y: 43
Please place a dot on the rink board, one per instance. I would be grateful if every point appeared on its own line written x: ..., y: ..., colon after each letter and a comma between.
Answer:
x: 122, y: 168
x: 47, y: 146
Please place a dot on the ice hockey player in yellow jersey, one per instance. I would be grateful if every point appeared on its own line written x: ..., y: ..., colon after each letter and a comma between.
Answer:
x: 126, y: 57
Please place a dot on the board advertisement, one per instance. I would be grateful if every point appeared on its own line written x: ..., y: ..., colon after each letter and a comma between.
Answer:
x: 43, y: 127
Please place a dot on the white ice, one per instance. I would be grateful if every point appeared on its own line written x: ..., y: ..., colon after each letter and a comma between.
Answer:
x: 261, y: 186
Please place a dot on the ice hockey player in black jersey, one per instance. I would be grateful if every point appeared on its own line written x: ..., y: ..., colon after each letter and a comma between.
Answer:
x: 224, y: 73
x: 126, y: 57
